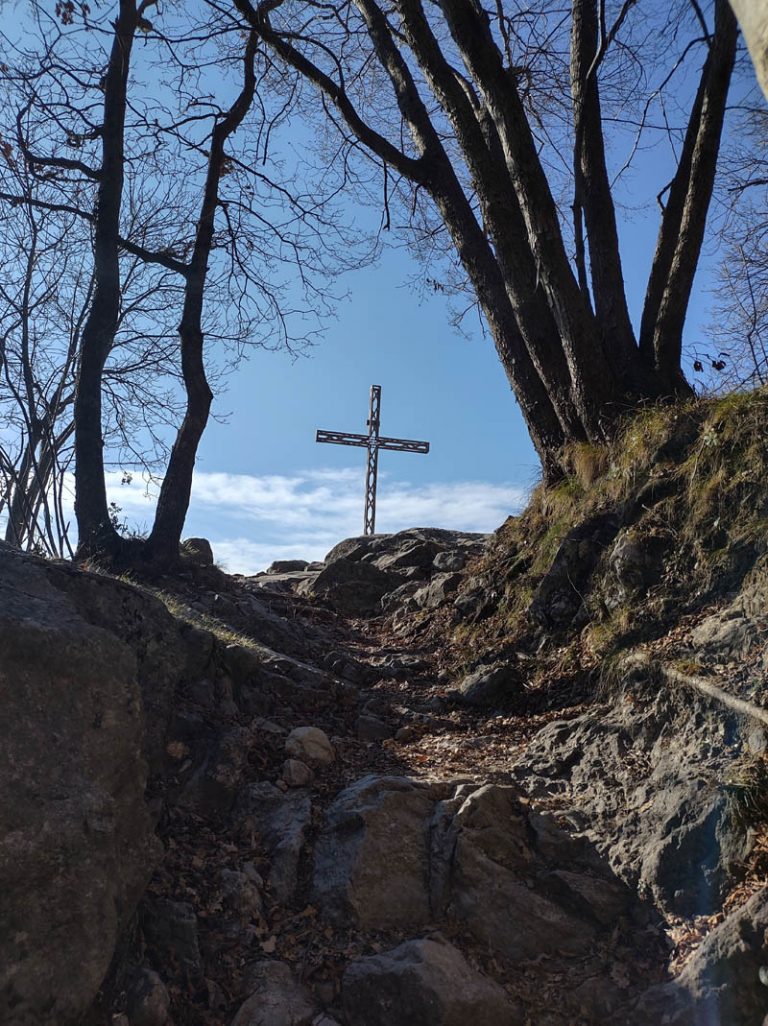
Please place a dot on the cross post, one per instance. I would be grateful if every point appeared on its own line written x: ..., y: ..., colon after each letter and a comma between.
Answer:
x: 373, y: 442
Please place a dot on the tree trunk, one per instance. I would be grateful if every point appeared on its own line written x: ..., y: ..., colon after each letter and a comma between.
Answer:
x: 96, y: 533
x: 593, y: 200
x: 753, y: 18
x: 502, y: 217
x: 176, y: 489
x: 682, y: 227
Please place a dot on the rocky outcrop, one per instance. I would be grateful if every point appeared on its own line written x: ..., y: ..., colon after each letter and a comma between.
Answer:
x: 415, y: 569
x: 725, y: 981
x: 425, y: 981
x: 323, y: 866
x: 658, y: 810
x: 76, y: 839
x: 396, y: 853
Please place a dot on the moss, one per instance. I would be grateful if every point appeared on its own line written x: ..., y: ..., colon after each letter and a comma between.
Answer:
x: 747, y: 787
x: 687, y: 481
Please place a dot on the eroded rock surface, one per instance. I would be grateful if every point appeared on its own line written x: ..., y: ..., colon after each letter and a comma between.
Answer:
x: 76, y: 839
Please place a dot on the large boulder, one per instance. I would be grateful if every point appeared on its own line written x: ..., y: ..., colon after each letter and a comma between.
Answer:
x: 397, y: 853
x: 76, y: 840
x: 508, y: 889
x: 645, y: 775
x: 371, y: 859
x: 277, y: 998
x: 723, y: 981
x: 351, y: 587
x: 428, y: 982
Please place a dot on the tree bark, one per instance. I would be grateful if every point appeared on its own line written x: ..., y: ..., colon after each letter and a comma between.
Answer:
x: 595, y: 388
x: 682, y: 227
x: 96, y: 533
x: 501, y: 213
x: 593, y: 200
x: 176, y: 489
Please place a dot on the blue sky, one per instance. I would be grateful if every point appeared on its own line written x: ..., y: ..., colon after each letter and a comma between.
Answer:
x: 265, y: 490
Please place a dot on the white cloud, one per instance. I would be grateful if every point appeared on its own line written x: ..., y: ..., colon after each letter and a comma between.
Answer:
x: 252, y: 520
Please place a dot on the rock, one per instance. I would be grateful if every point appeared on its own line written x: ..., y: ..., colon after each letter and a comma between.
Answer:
x: 489, y: 685
x: 634, y: 565
x: 721, y: 981
x: 647, y: 775
x: 370, y: 728
x: 478, y: 599
x: 418, y: 554
x: 170, y: 930
x: 401, y: 597
x: 277, y: 998
x: 371, y: 858
x: 355, y: 548
x: 450, y: 562
x: 311, y: 745
x: 212, y: 789
x: 76, y: 840
x: 438, y: 591
x: 241, y: 893
x: 558, y: 596
x: 426, y: 982
x: 500, y: 879
x: 352, y: 588
x: 296, y: 773
x: 287, y: 566
x: 198, y: 550
x: 148, y: 1001
x: 282, y: 821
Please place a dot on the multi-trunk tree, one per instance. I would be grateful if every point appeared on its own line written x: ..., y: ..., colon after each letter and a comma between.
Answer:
x: 459, y: 123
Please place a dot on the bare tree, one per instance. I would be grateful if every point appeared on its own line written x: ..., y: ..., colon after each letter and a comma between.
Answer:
x: 473, y: 93
x: 127, y: 147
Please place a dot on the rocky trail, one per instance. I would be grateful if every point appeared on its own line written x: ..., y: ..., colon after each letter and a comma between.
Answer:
x: 343, y: 826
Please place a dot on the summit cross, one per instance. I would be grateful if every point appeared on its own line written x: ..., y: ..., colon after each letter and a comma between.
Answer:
x: 373, y: 441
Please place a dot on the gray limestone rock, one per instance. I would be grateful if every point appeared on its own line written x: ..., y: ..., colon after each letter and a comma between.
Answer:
x: 76, y: 839
x: 352, y: 587
x: 426, y: 982
x: 147, y: 999
x: 721, y: 982
x: 282, y: 821
x: 502, y: 890
x: 489, y: 685
x: 277, y: 998
x: 170, y: 930
x: 287, y: 566
x: 296, y: 773
x: 450, y: 562
x: 371, y: 858
x: 438, y: 591
x: 198, y: 550
x: 647, y: 776
x: 311, y: 745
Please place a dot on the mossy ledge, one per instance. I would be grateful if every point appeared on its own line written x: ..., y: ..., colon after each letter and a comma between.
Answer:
x: 665, y: 521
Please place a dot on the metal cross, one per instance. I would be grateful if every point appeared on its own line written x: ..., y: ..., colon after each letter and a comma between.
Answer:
x: 372, y: 442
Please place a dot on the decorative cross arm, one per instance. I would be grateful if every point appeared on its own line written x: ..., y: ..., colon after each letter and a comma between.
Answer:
x: 395, y: 444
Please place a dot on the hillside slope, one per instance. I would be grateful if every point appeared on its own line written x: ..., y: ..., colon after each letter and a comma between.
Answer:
x: 440, y: 777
